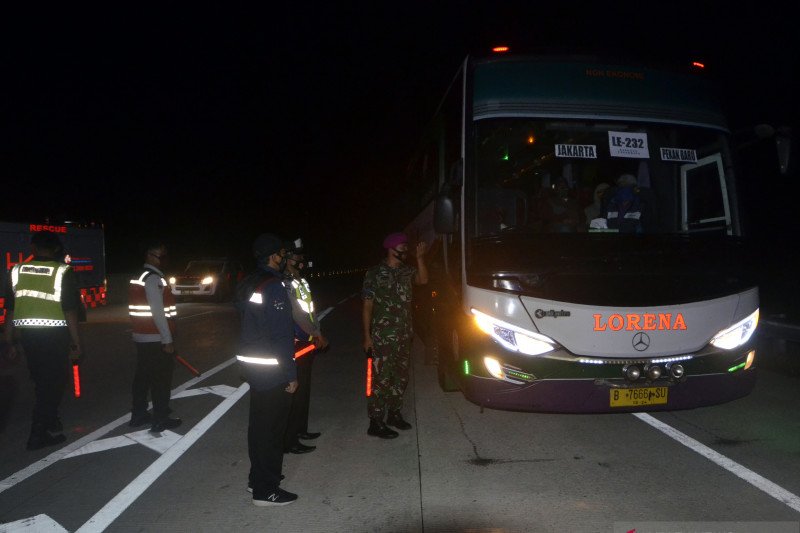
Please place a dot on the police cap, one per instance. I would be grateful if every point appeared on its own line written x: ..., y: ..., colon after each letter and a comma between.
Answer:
x: 267, y: 244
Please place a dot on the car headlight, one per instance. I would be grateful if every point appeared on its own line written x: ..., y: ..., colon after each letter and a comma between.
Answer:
x: 208, y: 280
x: 737, y: 334
x: 512, y: 337
x: 172, y: 280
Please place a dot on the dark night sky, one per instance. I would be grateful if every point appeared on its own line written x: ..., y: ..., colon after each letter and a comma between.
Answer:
x: 214, y: 125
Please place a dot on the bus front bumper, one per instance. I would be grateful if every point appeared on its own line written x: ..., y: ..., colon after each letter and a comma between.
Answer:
x: 595, y: 396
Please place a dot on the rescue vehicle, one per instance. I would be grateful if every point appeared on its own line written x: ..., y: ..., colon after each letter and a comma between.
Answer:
x: 84, y: 251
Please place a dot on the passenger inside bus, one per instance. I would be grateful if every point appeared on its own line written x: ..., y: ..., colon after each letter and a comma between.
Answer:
x: 558, y: 209
x: 595, y: 209
x: 628, y: 208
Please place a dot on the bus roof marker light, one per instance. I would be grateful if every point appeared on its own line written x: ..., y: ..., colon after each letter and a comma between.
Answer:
x: 500, y: 49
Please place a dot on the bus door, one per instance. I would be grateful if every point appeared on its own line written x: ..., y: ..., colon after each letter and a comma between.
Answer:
x: 704, y: 196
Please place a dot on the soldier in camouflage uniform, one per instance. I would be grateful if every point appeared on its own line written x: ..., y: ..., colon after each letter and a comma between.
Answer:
x: 387, y: 331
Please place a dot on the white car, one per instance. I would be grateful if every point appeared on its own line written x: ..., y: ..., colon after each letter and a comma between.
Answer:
x: 214, y: 279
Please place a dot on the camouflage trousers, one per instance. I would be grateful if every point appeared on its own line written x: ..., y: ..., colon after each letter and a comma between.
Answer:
x: 389, y: 378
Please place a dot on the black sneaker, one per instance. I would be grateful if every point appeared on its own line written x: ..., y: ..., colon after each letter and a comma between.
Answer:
x: 167, y: 423
x: 43, y: 439
x: 276, y: 497
x: 395, y: 419
x: 379, y: 429
x: 308, y: 435
x: 250, y: 486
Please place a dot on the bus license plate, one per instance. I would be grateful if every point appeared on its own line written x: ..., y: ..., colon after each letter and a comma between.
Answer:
x: 636, y: 397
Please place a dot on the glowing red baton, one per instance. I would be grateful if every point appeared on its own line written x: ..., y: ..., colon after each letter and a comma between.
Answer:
x: 185, y: 363
x: 300, y: 353
x: 76, y: 380
x: 369, y: 373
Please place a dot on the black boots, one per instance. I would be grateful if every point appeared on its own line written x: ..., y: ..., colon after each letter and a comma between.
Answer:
x: 396, y: 420
x: 41, y: 438
x: 379, y: 429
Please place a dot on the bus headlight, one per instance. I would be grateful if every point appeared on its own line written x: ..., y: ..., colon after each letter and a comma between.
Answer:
x: 737, y: 334
x: 494, y: 367
x: 512, y: 337
x: 208, y: 280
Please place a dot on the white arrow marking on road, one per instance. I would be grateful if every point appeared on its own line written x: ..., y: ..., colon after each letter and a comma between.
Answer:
x: 105, y: 516
x: 40, y: 522
x: 54, y: 457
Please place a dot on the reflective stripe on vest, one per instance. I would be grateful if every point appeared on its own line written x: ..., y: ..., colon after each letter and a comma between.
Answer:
x: 139, y: 310
x: 303, y: 295
x: 257, y: 360
x: 37, y: 292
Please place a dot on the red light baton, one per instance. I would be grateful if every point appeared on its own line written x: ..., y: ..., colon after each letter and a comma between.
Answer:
x: 300, y: 353
x: 76, y: 380
x: 369, y: 372
x: 185, y: 363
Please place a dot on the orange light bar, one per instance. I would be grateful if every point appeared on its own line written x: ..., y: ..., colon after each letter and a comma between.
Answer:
x: 369, y: 377
x: 698, y: 64
x: 76, y: 380
x: 301, y: 353
x: 500, y: 49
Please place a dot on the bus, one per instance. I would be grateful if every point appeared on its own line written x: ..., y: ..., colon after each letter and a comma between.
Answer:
x: 586, y: 232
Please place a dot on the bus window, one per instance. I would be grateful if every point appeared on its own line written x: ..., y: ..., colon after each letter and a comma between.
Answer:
x: 705, y: 197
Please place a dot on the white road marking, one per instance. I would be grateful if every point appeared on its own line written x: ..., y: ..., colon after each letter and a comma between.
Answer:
x: 324, y: 313
x: 38, y: 523
x: 111, y: 511
x: 102, y: 445
x: 758, y: 481
x: 219, y: 390
x: 54, y: 457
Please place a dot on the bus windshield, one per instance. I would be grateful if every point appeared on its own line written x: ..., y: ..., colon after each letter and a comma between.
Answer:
x: 615, y: 177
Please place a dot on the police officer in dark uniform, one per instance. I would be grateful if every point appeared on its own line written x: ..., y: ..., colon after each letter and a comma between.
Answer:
x: 266, y: 355
x: 42, y: 306
x: 307, y: 332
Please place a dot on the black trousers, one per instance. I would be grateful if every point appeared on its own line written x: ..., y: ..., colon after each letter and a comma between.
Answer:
x: 47, y: 353
x: 301, y: 399
x: 154, y: 376
x: 269, y: 411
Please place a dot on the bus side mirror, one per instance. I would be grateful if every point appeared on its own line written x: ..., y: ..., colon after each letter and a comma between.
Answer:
x: 444, y: 215
x: 783, y: 142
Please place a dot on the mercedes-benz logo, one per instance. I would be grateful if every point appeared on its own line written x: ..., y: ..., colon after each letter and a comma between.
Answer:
x: 641, y: 341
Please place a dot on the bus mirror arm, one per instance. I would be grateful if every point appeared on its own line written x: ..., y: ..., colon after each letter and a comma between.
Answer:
x: 783, y: 142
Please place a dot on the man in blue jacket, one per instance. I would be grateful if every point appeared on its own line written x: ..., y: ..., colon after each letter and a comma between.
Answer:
x: 267, y: 357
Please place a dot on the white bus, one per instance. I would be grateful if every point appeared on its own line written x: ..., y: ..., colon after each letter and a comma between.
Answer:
x: 586, y: 229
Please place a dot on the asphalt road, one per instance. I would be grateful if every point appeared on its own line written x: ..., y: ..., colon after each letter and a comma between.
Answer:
x: 459, y: 469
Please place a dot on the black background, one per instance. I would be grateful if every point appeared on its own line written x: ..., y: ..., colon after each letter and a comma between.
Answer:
x: 208, y: 126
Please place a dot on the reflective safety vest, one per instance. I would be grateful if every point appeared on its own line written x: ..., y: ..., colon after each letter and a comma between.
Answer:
x: 37, y: 294
x: 139, y: 310
x: 624, y: 210
x: 303, y: 294
x: 258, y: 298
